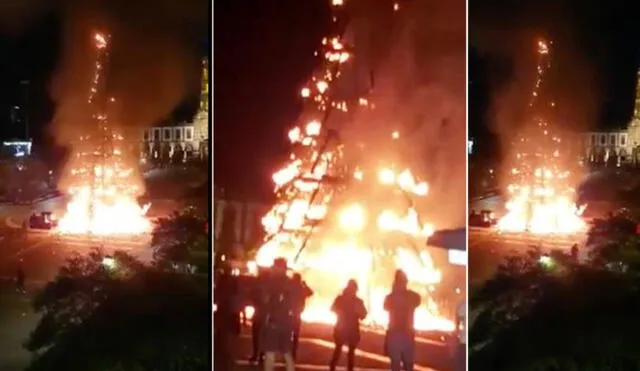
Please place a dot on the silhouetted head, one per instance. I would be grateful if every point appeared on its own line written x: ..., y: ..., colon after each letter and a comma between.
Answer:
x: 352, y: 287
x: 297, y: 277
x: 280, y: 266
x: 400, y: 280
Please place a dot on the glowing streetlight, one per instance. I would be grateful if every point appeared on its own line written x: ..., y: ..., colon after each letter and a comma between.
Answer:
x: 109, y: 262
x: 546, y: 261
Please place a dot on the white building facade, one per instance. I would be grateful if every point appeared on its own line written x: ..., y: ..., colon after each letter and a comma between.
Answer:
x: 607, y: 147
x: 614, y: 148
x: 184, y: 142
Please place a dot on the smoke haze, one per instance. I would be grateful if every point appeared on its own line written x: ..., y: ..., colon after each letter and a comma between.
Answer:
x: 153, y: 64
x: 511, y: 31
x: 419, y: 89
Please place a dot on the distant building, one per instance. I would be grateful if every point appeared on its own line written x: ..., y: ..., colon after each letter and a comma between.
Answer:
x: 18, y: 116
x: 616, y: 147
x: 186, y: 141
x: 15, y: 149
x: 243, y: 218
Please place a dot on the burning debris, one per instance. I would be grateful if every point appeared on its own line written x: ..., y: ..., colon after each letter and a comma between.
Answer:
x: 339, y: 217
x: 540, y: 198
x: 101, y: 185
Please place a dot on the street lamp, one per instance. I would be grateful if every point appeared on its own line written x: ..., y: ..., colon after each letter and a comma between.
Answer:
x: 546, y: 261
x: 109, y: 262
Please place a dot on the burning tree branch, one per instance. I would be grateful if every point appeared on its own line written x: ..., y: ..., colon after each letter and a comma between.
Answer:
x: 101, y: 184
x: 345, y: 214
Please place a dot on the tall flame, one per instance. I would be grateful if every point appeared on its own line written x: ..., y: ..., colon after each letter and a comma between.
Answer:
x: 334, y: 221
x: 541, y: 201
x: 101, y: 185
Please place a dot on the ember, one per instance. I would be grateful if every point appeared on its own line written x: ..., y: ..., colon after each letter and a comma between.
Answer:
x: 101, y: 185
x: 337, y: 220
x: 541, y: 200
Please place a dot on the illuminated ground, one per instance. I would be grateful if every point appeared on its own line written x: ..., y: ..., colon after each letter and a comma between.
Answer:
x: 487, y: 249
x: 41, y: 259
x: 316, y: 347
x: 485, y: 255
x: 40, y: 256
x: 16, y: 321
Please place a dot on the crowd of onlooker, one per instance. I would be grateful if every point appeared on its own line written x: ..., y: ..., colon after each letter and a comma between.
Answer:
x: 278, y: 301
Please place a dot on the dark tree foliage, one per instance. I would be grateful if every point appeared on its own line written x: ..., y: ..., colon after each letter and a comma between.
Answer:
x: 181, y: 240
x: 614, y: 242
x: 128, y: 317
x: 567, y: 316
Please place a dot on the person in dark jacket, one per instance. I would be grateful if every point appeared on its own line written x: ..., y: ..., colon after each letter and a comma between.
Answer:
x: 20, y: 280
x: 575, y: 252
x: 301, y: 292
x: 401, y: 305
x: 277, y: 331
x: 349, y: 310
x: 257, y: 300
x: 226, y: 321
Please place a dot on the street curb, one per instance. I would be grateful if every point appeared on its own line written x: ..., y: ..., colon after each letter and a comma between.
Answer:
x: 32, y: 202
x: 11, y: 223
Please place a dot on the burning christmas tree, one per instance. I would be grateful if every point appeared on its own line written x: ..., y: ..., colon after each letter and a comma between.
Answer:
x: 101, y: 185
x: 347, y: 210
x: 541, y: 201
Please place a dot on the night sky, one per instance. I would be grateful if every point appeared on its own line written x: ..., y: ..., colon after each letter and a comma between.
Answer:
x: 154, y: 63
x: 28, y: 55
x: 263, y: 54
x: 595, y: 60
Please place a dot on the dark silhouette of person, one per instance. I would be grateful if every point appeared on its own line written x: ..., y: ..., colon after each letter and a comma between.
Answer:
x: 460, y: 350
x: 301, y: 292
x: 226, y: 321
x: 20, y: 280
x: 257, y: 299
x: 33, y: 220
x: 277, y: 331
x: 574, y: 251
x: 401, y: 305
x: 349, y: 310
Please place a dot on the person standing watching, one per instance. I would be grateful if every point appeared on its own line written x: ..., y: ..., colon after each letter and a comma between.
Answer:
x: 301, y: 292
x: 401, y: 305
x: 460, y: 351
x: 349, y: 310
x: 278, y: 323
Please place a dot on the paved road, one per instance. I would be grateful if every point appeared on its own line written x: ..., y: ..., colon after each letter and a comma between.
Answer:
x: 16, y: 323
x: 487, y: 249
x: 40, y: 254
x: 316, y: 348
x: 22, y: 212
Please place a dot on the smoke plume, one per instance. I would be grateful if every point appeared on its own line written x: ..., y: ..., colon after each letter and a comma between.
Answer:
x: 418, y: 68
x: 153, y: 62
x: 571, y: 82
